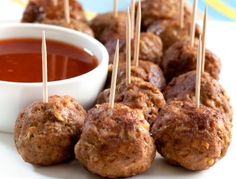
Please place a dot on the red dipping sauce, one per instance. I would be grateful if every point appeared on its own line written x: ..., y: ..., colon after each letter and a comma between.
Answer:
x: 21, y: 60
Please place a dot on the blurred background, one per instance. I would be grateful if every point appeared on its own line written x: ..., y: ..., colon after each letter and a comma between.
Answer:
x: 224, y: 10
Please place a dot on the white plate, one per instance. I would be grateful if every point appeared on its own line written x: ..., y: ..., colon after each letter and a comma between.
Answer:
x: 221, y: 40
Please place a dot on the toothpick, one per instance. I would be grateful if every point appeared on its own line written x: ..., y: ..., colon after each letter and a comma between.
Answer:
x: 44, y: 68
x: 132, y: 18
x: 137, y: 35
x: 181, y: 13
x: 67, y: 11
x: 55, y: 2
x: 198, y: 73
x: 114, y: 77
x: 193, y: 25
x: 204, y: 40
x: 128, y: 49
x: 115, y: 7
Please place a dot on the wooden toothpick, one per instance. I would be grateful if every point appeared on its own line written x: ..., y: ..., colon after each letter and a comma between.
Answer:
x: 181, y: 14
x: 204, y: 40
x: 67, y: 11
x: 198, y: 73
x: 115, y: 8
x: 137, y: 35
x: 128, y: 48
x: 44, y: 68
x: 193, y: 25
x: 114, y: 77
x: 132, y: 17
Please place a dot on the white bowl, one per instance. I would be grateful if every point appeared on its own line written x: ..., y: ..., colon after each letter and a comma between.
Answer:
x: 14, y: 97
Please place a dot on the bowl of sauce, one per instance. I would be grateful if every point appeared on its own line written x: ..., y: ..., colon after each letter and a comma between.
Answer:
x: 77, y: 66
x: 21, y: 57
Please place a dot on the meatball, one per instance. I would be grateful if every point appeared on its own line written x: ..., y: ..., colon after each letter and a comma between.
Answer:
x: 169, y: 12
x: 194, y: 138
x: 150, y: 48
x: 37, y: 10
x: 115, y: 142
x: 33, y: 12
x: 181, y: 57
x: 137, y: 95
x: 74, y: 24
x: 212, y: 93
x: 158, y: 9
x: 46, y: 133
x: 111, y: 48
x: 106, y: 26
x: 146, y: 70
x: 170, y: 32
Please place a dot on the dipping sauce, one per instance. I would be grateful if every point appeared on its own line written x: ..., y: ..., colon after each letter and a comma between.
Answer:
x: 21, y: 60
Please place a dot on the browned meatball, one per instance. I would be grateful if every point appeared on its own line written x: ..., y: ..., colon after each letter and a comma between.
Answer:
x: 150, y: 48
x: 37, y: 10
x: 153, y: 10
x: 213, y: 94
x: 74, y: 24
x: 46, y: 133
x: 111, y: 48
x: 33, y: 12
x: 106, y: 26
x: 146, y: 70
x: 181, y: 57
x: 115, y: 142
x: 137, y: 95
x: 161, y: 10
x: 170, y: 32
x: 194, y: 138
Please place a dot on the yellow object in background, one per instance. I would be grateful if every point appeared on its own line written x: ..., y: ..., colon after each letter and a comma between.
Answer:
x: 223, y: 8
x: 21, y: 2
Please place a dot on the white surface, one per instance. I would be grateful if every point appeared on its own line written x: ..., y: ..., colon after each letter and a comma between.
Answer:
x: 221, y: 40
x: 10, y: 11
x: 16, y: 96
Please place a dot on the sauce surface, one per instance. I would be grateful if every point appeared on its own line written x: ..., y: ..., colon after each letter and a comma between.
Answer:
x: 21, y: 61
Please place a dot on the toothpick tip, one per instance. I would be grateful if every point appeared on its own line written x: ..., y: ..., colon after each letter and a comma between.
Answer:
x: 137, y: 35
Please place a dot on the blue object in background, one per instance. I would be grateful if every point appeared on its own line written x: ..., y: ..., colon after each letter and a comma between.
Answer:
x: 103, y: 5
x: 217, y: 9
x: 224, y: 10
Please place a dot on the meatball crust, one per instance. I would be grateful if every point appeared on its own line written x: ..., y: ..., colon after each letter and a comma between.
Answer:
x: 137, y: 95
x: 33, y: 12
x: 46, y: 133
x: 115, y: 142
x: 170, y: 32
x: 158, y: 9
x: 146, y: 70
x: 181, y: 58
x: 38, y: 10
x: 151, y: 48
x: 111, y: 48
x: 213, y: 94
x: 74, y: 24
x: 194, y: 138
x: 106, y: 26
